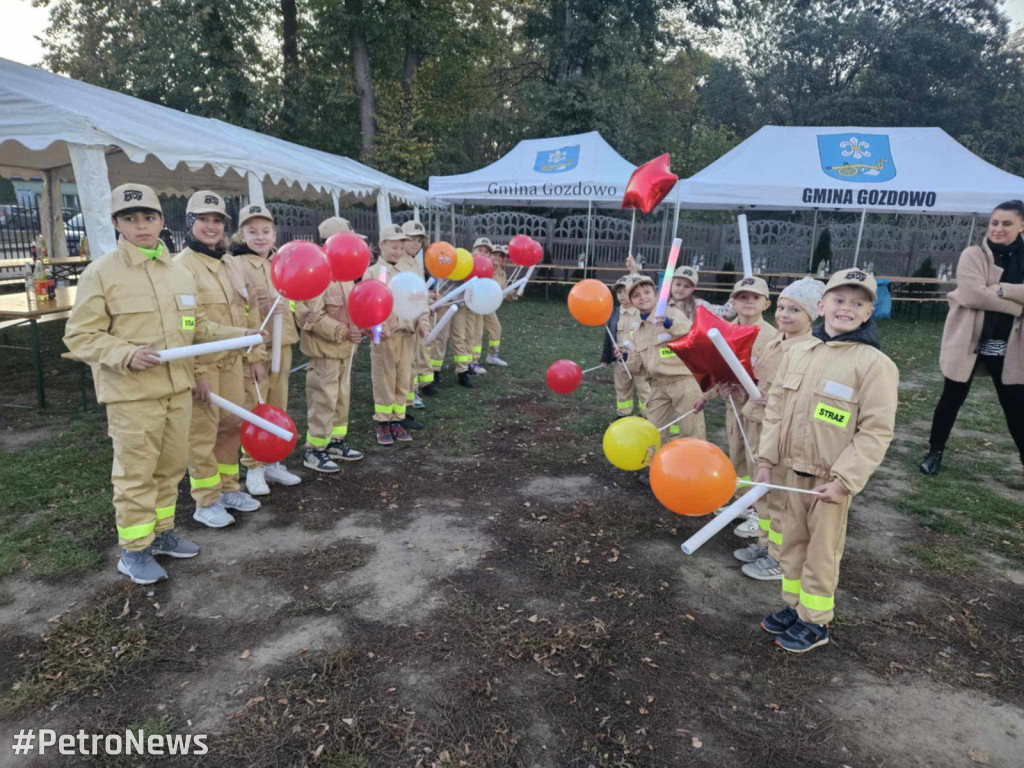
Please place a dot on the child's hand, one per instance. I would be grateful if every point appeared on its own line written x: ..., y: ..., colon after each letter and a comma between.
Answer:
x: 764, y: 475
x: 617, y: 351
x: 143, y: 358
x: 761, y: 402
x: 699, y: 405
x: 265, y: 333
x: 258, y: 372
x: 604, y: 365
x: 832, y: 492
x: 201, y: 393
x: 355, y: 335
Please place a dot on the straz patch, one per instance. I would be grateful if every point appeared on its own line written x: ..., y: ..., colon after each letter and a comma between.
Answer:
x: 830, y: 415
x: 666, y: 352
x: 188, y: 323
x: 291, y: 305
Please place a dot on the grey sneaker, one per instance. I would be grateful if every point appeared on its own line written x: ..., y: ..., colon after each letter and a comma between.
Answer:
x: 748, y: 529
x: 765, y: 569
x: 140, y: 567
x: 495, y: 359
x: 214, y: 516
x: 239, y: 501
x: 751, y: 553
x: 417, y: 402
x: 167, y: 543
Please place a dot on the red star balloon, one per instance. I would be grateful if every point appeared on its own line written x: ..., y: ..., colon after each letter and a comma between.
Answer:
x: 649, y: 184
x: 699, y: 353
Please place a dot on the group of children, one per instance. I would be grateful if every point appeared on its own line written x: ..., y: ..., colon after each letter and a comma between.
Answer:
x: 822, y: 425
x: 141, y: 299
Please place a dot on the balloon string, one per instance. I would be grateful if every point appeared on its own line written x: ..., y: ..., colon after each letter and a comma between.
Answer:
x: 615, y: 344
x: 676, y: 421
x: 259, y: 395
x: 743, y: 434
x: 776, y: 487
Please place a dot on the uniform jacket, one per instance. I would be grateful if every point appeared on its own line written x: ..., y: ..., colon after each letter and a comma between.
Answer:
x: 256, y: 272
x: 394, y: 324
x: 766, y: 334
x: 648, y: 356
x: 765, y: 368
x: 125, y: 301
x: 325, y: 323
x: 831, y: 411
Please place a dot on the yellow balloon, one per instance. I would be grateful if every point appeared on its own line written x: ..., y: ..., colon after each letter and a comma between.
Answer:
x: 463, y: 264
x: 631, y: 442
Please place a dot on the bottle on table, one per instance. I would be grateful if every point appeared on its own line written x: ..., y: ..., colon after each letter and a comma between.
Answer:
x: 30, y: 283
x: 83, y: 249
x: 39, y: 278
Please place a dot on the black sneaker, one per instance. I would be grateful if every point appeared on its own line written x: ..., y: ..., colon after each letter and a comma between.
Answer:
x: 339, y: 450
x: 431, y: 389
x: 319, y: 461
x: 465, y: 381
x: 410, y: 423
x: 779, y: 622
x: 932, y: 462
x: 802, y: 637
x: 398, y: 432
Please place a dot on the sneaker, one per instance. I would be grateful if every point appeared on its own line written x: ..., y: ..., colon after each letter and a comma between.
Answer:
x: 339, y: 450
x: 276, y: 473
x: 430, y: 389
x: 384, y: 436
x: 319, y: 461
x: 476, y: 369
x: 495, y: 359
x: 465, y: 381
x: 214, y: 516
x: 240, y: 501
x: 803, y: 636
x: 751, y: 552
x: 766, y: 568
x: 417, y: 402
x: 167, y: 543
x: 779, y: 622
x: 256, y: 482
x: 398, y: 432
x: 931, y: 463
x: 410, y: 423
x: 140, y: 567
x: 748, y: 529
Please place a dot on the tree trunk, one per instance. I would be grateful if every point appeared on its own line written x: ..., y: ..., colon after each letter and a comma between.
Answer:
x: 363, y: 77
x: 412, y: 61
x: 290, y: 54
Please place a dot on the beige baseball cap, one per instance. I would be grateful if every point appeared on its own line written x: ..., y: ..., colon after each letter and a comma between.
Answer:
x: 502, y: 249
x: 483, y: 241
x: 854, y: 276
x: 641, y: 280
x: 205, y: 201
x: 753, y: 285
x: 254, y: 212
x: 690, y: 273
x: 413, y: 228
x: 392, y: 232
x: 128, y: 196
x: 336, y: 225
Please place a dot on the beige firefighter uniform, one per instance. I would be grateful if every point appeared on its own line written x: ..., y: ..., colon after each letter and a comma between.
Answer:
x: 673, y: 389
x: 439, y: 345
x: 476, y: 334
x: 226, y: 297
x: 830, y: 416
x: 491, y: 325
x: 770, y: 508
x: 127, y: 300
x: 734, y: 436
x: 325, y: 327
x: 391, y: 359
x: 275, y: 389
x: 421, y: 371
x: 462, y: 325
x: 628, y: 389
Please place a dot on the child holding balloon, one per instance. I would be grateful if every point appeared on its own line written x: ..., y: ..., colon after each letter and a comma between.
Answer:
x: 251, y: 249
x: 829, y: 421
x: 422, y: 372
x: 491, y: 323
x: 622, y: 324
x: 482, y: 248
x: 464, y: 329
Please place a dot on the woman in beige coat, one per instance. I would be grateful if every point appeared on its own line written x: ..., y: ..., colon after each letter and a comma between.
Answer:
x: 983, y: 329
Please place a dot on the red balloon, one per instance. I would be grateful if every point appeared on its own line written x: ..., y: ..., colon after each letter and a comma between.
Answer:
x: 649, y: 184
x: 520, y: 250
x: 300, y: 271
x: 263, y: 446
x: 482, y: 267
x: 370, y: 303
x: 536, y: 254
x: 564, y: 376
x: 700, y: 355
x: 349, y: 256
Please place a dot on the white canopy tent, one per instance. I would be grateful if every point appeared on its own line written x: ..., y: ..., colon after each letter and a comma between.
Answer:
x: 64, y: 128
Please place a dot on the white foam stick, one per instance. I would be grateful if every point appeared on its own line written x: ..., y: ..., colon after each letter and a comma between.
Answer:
x: 208, y: 348
x: 249, y: 416
x: 302, y: 367
x: 615, y: 344
x: 514, y: 286
x: 379, y: 329
x: 277, y: 328
x: 448, y: 315
x: 448, y: 297
x: 723, y: 519
x: 430, y: 282
x: 265, y: 319
x: 525, y: 280
x: 776, y: 487
x: 734, y: 363
x: 676, y: 421
x: 748, y: 270
x: 591, y: 369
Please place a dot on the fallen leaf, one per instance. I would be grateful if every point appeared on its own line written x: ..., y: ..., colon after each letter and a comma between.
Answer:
x: 978, y: 756
x: 533, y: 619
x: 697, y: 743
x: 317, y: 751
x: 125, y: 611
x: 245, y: 654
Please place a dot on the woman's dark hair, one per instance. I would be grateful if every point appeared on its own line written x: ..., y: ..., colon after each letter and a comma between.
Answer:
x: 1017, y: 206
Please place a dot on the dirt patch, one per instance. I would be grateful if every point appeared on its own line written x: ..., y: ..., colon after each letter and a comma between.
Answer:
x: 15, y: 440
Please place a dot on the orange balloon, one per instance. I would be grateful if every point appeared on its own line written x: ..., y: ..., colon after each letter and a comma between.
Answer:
x: 440, y: 259
x: 590, y: 302
x: 692, y: 477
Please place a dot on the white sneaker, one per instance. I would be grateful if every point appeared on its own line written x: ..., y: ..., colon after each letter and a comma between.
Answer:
x: 276, y: 473
x: 240, y: 501
x: 748, y: 529
x: 417, y: 401
x: 495, y: 359
x: 256, y: 482
x: 214, y: 516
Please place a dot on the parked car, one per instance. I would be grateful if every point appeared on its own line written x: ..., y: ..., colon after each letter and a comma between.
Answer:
x: 20, y: 217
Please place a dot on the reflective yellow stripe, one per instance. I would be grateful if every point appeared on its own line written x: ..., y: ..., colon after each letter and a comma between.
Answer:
x: 399, y: 410
x: 204, y: 482
x: 463, y: 358
x: 319, y: 442
x: 775, y: 537
x: 425, y: 378
x: 764, y: 523
x: 291, y: 305
x: 624, y: 404
x: 164, y: 512
x: 383, y: 408
x: 792, y: 586
x: 136, y: 531
x: 643, y: 407
x: 339, y: 431
x: 227, y: 469
x: 494, y: 343
x: 410, y: 397
x: 674, y: 429
x: 817, y: 602
x: 477, y: 350
x: 436, y: 363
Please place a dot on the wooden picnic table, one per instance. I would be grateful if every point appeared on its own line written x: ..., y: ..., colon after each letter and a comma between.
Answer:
x: 18, y: 309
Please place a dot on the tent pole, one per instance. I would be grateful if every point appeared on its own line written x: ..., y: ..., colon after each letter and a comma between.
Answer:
x: 89, y: 164
x: 675, y: 222
x: 632, y: 229
x: 586, y: 246
x: 860, y: 233
x: 814, y: 232
x: 454, y: 240
x: 664, y: 228
x: 334, y: 202
x: 970, y: 235
x: 255, y: 189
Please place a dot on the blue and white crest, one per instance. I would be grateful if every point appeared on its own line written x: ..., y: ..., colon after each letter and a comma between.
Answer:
x: 864, y: 158
x: 557, y: 160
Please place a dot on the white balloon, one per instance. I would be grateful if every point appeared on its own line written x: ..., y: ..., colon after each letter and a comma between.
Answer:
x: 410, y: 295
x: 483, y: 296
